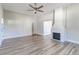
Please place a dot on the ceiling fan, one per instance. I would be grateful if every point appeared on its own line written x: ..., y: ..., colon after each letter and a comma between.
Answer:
x: 36, y: 8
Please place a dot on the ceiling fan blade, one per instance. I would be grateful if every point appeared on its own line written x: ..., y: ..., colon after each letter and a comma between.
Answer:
x: 40, y: 6
x: 31, y: 6
x: 35, y: 8
x: 40, y: 10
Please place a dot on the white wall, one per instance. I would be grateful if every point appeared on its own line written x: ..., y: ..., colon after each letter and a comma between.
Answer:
x: 44, y: 27
x: 42, y: 18
x: 1, y: 25
x: 67, y: 23
x: 23, y: 23
x: 73, y: 23
x: 35, y: 23
x: 59, y: 25
x: 17, y: 24
x: 47, y: 25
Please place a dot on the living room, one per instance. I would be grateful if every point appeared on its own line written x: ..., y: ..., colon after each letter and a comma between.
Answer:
x: 39, y: 28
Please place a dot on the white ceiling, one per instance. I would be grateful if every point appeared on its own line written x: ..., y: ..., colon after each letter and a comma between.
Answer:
x: 23, y: 7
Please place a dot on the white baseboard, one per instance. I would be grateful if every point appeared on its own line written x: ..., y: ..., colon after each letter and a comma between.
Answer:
x: 43, y: 34
x: 77, y: 42
x: 39, y: 34
x: 8, y: 37
x: 1, y: 42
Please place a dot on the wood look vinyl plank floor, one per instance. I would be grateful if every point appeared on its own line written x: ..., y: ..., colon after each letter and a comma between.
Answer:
x: 37, y: 45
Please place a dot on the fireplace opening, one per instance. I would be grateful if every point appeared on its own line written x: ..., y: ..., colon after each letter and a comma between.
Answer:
x: 56, y: 35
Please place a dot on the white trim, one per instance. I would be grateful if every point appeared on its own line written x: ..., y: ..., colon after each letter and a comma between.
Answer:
x: 77, y: 42
x: 1, y: 43
x: 43, y: 34
x: 40, y: 33
x: 47, y: 34
x: 1, y: 40
x: 16, y: 36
